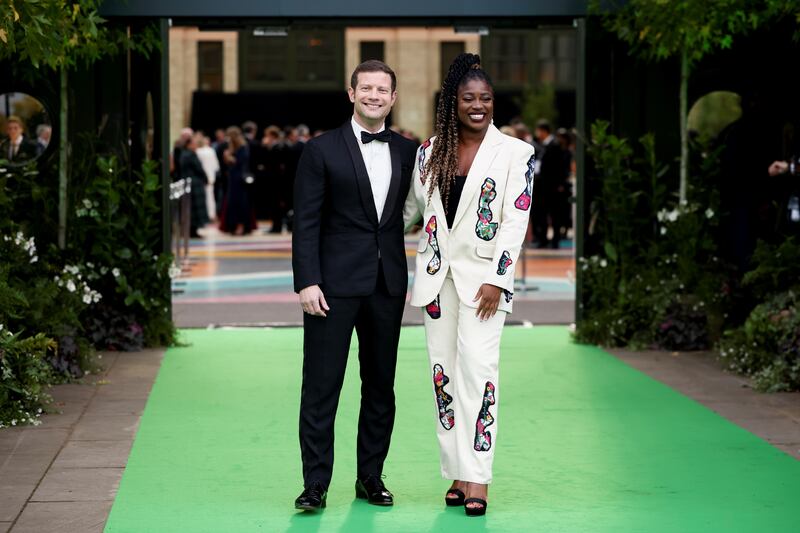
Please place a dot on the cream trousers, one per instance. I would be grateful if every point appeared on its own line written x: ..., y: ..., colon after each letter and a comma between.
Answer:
x: 464, y: 356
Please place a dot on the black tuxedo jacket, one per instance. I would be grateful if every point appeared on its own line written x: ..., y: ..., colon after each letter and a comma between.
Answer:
x: 337, y: 235
x: 26, y: 152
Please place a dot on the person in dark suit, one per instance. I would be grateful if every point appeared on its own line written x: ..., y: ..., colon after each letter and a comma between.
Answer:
x: 551, y: 177
x: 192, y: 170
x: 16, y: 148
x: 350, y: 270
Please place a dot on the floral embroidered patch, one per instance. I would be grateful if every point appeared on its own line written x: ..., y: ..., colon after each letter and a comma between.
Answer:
x: 503, y: 264
x: 421, y: 160
x: 433, y: 309
x: 483, y: 438
x: 485, y: 228
x: 436, y: 261
x: 446, y: 416
x: 523, y: 202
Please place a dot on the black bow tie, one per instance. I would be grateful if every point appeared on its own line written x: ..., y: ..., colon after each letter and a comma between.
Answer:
x: 383, y: 136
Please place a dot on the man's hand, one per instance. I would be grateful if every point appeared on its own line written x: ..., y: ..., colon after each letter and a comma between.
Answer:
x: 778, y: 167
x: 488, y: 298
x: 313, y: 301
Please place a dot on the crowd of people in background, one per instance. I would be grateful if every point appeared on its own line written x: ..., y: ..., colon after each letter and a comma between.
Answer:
x: 244, y: 175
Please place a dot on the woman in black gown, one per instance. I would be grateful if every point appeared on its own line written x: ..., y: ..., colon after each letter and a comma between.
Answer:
x: 238, y: 216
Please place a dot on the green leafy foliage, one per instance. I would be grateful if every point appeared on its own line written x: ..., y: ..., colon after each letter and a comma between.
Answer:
x: 58, y: 34
x: 24, y: 372
x: 658, y: 281
x: 115, y: 229
x: 661, y: 29
x: 767, y: 346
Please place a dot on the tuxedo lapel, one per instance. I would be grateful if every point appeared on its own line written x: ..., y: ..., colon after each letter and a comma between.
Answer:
x: 362, y: 178
x: 394, y: 185
x: 477, y: 172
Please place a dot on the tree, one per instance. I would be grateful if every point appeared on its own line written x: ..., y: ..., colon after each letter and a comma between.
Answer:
x: 63, y: 35
x: 689, y: 30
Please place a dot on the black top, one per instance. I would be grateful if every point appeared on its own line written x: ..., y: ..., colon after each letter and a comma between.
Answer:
x: 456, y: 189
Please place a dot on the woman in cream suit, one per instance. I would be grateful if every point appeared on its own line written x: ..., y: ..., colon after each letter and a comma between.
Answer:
x: 471, y: 192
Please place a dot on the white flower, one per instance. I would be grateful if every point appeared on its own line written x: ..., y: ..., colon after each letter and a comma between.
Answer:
x: 115, y: 272
x: 34, y: 259
x: 71, y: 286
x: 87, y: 299
x: 709, y: 213
x: 663, y: 230
x: 87, y: 203
x: 174, y: 271
x: 672, y: 216
x: 1, y: 327
x: 603, y: 263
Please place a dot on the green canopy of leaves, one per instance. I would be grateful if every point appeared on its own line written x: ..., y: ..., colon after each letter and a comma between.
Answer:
x: 57, y: 33
x: 659, y: 29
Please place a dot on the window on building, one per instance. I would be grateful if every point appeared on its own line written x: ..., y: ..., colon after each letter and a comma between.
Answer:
x: 448, y: 50
x: 304, y: 59
x: 506, y: 57
x: 209, y: 66
x: 372, y: 50
x: 515, y: 58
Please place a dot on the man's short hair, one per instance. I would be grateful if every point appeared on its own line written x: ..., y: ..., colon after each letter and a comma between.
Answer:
x: 373, y: 65
x: 544, y: 124
x: 15, y: 118
x: 249, y: 127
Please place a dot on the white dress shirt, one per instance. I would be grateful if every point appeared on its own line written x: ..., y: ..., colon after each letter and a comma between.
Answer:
x: 378, y: 161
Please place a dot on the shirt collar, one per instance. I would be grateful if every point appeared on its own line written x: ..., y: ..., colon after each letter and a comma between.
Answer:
x: 357, y: 129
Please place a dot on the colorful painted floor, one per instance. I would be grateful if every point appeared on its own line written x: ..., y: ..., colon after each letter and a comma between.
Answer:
x: 588, y: 444
x: 236, y: 280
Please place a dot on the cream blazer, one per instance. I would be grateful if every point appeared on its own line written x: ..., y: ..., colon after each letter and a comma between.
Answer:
x: 489, y: 226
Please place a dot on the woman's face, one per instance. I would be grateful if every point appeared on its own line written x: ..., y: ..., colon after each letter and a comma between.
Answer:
x: 475, y: 105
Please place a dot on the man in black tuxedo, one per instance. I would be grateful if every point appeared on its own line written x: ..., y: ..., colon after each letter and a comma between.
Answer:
x: 16, y: 148
x: 548, y: 188
x: 349, y: 263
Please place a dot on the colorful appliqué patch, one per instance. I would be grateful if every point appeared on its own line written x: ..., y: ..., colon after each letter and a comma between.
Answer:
x: 504, y: 263
x: 433, y: 309
x: 483, y: 438
x: 436, y: 261
x: 508, y: 295
x: 485, y: 228
x: 446, y: 416
x: 523, y: 202
x: 421, y: 160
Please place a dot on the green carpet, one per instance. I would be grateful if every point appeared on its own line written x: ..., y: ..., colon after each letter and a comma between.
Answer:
x: 586, y: 444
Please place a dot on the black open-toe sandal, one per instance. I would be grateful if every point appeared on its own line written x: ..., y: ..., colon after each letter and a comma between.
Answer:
x: 454, y: 502
x: 480, y: 510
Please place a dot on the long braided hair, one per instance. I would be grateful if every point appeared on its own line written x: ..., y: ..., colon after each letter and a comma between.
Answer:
x: 443, y: 163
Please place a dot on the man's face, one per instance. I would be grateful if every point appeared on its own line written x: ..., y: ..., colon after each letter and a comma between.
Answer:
x: 13, y: 130
x: 541, y: 134
x: 46, y: 134
x: 373, y: 97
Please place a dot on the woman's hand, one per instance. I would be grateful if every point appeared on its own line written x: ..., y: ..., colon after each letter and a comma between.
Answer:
x: 488, y: 298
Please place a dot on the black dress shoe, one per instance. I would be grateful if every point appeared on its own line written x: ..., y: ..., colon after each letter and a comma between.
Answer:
x: 372, y: 489
x: 312, y: 498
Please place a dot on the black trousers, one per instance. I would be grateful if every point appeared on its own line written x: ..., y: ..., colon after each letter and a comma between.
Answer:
x: 326, y: 342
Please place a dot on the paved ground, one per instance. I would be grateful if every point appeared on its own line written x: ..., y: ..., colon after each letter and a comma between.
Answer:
x: 62, y: 476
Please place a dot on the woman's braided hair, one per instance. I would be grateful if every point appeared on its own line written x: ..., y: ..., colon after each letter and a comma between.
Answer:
x: 443, y: 163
